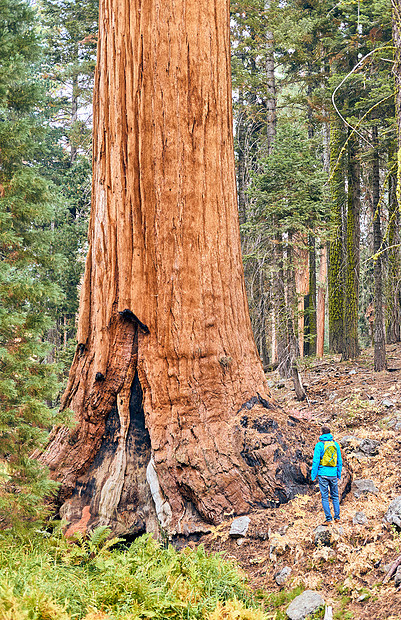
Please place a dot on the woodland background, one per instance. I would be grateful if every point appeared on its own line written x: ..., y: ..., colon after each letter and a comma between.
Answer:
x: 316, y: 154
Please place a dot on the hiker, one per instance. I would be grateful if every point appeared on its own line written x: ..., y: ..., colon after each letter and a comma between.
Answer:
x: 327, y: 465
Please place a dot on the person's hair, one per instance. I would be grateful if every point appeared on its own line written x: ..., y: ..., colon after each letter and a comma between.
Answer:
x: 326, y: 430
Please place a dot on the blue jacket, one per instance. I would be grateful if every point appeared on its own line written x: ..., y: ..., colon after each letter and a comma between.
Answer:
x: 319, y: 470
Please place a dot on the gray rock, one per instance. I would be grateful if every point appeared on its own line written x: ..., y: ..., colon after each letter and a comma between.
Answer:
x: 349, y: 440
x: 304, y: 604
x: 387, y: 403
x: 363, y: 487
x: 352, y: 372
x: 393, y: 514
x: 365, y: 447
x: 397, y: 426
x: 397, y: 577
x: 369, y: 446
x: 323, y: 535
x: 359, y: 518
x: 239, y: 527
x: 282, y: 575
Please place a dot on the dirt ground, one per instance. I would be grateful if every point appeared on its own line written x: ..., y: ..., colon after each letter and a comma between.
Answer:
x: 353, y: 400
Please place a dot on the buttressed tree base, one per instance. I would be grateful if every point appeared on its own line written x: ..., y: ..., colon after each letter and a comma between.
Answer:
x: 174, y: 420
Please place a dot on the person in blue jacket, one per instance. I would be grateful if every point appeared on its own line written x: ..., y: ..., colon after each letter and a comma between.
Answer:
x: 326, y: 466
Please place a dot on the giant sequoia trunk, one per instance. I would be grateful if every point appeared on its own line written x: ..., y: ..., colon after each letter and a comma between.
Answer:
x: 174, y: 420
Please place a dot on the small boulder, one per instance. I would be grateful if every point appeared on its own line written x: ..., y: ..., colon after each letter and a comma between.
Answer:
x: 363, y: 487
x: 239, y: 527
x: 359, y: 518
x: 393, y: 514
x: 282, y: 575
x: 304, y: 604
x: 370, y: 447
x: 387, y: 403
x: 322, y: 535
x: 349, y: 441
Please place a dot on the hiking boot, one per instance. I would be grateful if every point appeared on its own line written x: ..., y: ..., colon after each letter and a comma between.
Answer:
x: 326, y: 523
x: 337, y: 519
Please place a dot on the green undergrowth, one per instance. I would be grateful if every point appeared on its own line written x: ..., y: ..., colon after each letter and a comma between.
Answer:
x: 50, y: 578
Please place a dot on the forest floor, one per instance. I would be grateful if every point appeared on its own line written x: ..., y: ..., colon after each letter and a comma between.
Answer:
x: 354, y: 400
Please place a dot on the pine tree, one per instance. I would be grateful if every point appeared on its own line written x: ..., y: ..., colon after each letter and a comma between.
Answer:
x: 27, y: 270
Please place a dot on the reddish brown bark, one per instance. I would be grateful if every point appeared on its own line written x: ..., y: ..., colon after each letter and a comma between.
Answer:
x: 173, y: 412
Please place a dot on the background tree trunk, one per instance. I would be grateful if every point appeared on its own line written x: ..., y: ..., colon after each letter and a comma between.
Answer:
x: 393, y: 284
x: 174, y: 420
x: 312, y: 317
x: 321, y: 302
x: 351, y: 345
x: 336, y: 256
x: 379, y: 335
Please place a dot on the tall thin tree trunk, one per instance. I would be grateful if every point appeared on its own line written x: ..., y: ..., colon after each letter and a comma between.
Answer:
x: 379, y: 335
x: 292, y: 342
x: 302, y: 277
x: 312, y: 318
x: 393, y: 284
x: 336, y: 257
x: 321, y: 297
x: 271, y: 124
x: 322, y: 280
x: 280, y: 308
x: 351, y: 344
x: 174, y: 422
x: 263, y: 310
x: 241, y: 170
x: 395, y: 201
x: 74, y: 117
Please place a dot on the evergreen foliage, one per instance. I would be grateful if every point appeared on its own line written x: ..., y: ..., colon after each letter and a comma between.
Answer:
x: 28, y: 272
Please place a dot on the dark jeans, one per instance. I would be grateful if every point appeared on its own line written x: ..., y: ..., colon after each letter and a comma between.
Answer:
x: 326, y: 483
